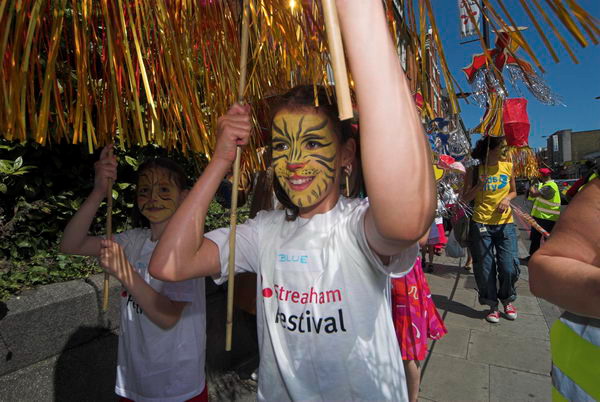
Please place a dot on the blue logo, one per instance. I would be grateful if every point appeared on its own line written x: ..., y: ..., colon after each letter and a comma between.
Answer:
x: 301, y: 259
x: 495, y: 183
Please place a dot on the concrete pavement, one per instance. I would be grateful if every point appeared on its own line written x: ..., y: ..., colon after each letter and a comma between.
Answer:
x: 479, y: 361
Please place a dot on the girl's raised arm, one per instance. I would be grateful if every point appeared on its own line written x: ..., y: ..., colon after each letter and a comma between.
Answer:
x: 75, y: 238
x: 395, y: 154
x: 183, y: 252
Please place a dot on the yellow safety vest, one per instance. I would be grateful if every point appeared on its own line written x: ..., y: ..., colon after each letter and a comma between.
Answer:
x: 575, y: 348
x: 547, y: 209
x: 592, y: 177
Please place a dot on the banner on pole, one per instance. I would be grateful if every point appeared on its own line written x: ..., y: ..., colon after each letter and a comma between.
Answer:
x: 467, y: 28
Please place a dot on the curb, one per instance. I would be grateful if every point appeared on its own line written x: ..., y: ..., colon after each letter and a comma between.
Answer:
x: 40, y: 323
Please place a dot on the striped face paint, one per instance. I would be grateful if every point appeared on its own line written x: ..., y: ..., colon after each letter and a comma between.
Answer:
x: 157, y: 195
x: 304, y: 156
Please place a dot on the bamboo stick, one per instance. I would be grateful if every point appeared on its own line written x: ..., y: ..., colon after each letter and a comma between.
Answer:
x: 109, y: 205
x: 338, y: 61
x: 236, y: 180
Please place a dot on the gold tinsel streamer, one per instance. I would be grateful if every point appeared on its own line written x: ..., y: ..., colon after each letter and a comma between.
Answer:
x: 524, y: 162
x: 161, y: 71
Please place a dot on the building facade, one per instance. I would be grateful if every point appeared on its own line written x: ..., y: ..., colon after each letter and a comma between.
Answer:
x: 568, y: 150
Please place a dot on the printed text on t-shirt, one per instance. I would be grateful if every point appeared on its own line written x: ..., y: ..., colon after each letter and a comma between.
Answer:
x: 309, y: 296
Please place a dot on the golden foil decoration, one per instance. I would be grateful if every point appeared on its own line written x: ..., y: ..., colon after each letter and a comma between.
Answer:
x: 162, y: 71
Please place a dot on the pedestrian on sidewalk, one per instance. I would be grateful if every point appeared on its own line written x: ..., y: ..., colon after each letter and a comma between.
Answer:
x: 162, y: 337
x: 436, y: 241
x: 416, y: 320
x: 546, y: 207
x: 428, y: 249
x: 566, y: 271
x: 492, y: 232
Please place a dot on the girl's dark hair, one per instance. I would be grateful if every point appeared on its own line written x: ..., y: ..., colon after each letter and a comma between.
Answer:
x: 305, y: 97
x: 484, y: 145
x: 175, y: 172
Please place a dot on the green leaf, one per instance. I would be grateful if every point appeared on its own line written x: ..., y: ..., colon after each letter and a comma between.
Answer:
x: 115, y: 194
x: 23, y: 243
x: 38, y: 269
x: 18, y: 163
x: 123, y: 186
x: 132, y: 162
x: 3, y: 188
x: 6, y: 167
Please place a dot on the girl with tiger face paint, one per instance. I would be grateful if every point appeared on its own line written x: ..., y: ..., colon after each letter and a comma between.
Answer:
x: 340, y: 246
x: 163, y: 324
x: 157, y: 195
x: 305, y: 157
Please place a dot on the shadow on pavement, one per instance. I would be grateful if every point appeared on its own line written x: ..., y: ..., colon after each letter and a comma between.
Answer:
x: 448, y: 305
x: 87, y: 372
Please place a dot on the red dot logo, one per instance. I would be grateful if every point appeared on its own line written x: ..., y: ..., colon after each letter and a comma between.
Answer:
x: 124, y: 293
x: 267, y: 292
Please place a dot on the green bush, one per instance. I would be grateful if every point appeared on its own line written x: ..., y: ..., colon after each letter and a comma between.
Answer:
x: 40, y: 190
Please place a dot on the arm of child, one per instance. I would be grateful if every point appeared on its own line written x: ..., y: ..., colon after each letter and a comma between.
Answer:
x: 158, y: 308
x: 75, y: 239
x: 566, y: 269
x: 395, y: 154
x: 183, y: 252
x: 505, y: 203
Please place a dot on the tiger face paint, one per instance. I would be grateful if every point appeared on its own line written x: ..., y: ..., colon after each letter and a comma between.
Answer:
x: 304, y: 156
x: 157, y: 195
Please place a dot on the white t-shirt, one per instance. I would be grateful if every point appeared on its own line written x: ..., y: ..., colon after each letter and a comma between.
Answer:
x: 324, y: 324
x: 156, y: 364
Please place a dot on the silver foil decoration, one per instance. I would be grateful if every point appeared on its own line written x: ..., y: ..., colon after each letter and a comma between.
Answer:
x: 483, y: 83
x: 536, y: 85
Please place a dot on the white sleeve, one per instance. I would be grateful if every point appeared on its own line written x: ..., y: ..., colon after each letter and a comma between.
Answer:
x: 180, y: 291
x: 399, y: 264
x: 246, y: 248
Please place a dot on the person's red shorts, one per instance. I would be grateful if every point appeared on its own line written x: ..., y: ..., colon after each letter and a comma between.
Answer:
x: 201, y: 397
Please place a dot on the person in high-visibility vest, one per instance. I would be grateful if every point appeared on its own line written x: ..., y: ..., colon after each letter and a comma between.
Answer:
x: 566, y: 272
x: 546, y: 207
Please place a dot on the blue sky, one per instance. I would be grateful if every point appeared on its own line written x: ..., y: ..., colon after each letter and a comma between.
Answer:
x: 577, y: 84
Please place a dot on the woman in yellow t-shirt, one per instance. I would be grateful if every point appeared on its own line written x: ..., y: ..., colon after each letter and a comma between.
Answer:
x: 492, y: 233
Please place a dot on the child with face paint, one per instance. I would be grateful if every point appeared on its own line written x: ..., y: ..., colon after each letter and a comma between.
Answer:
x: 162, y: 333
x: 323, y: 266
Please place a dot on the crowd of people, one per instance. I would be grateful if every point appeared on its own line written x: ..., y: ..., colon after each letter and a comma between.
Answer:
x: 326, y: 264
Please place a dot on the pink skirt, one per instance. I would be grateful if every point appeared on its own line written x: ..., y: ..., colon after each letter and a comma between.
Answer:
x: 415, y: 317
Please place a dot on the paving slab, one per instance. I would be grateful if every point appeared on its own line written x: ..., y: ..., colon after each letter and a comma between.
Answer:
x: 551, y: 311
x: 526, y: 325
x: 466, y: 298
x: 458, y: 315
x: 455, y: 343
x: 514, y: 385
x: 516, y: 352
x: 86, y: 372
x: 447, y: 378
x: 523, y: 288
x: 528, y: 305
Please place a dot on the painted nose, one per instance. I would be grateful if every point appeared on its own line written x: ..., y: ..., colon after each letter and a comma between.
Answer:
x: 295, y: 166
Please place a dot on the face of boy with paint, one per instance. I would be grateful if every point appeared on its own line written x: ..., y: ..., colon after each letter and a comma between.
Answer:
x: 157, y: 195
x: 304, y: 155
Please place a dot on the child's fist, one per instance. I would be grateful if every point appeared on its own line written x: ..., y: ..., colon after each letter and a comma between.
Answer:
x: 233, y: 130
